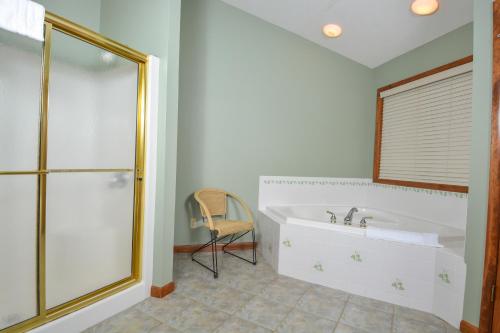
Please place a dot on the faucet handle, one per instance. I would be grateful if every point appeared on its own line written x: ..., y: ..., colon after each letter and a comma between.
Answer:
x: 333, y: 218
x: 362, y: 223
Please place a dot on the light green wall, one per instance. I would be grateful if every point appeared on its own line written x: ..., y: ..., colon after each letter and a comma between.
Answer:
x: 478, y: 188
x: 86, y: 13
x: 257, y: 100
x: 153, y: 27
x: 445, y: 49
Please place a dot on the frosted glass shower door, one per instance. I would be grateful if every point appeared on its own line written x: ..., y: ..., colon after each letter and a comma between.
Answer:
x: 20, y: 73
x: 91, y: 162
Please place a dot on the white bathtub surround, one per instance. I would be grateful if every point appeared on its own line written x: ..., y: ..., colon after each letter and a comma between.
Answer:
x: 403, y: 236
x: 23, y: 17
x: 298, y: 240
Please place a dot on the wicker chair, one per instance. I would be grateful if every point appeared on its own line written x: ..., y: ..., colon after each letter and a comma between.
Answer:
x: 213, y: 207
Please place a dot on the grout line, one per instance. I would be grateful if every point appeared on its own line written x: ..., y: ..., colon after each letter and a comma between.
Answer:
x: 248, y: 320
x: 284, y: 318
x: 393, y: 320
x: 349, y: 295
x: 341, y: 314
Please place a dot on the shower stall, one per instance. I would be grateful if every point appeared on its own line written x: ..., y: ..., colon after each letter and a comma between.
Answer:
x: 72, y: 158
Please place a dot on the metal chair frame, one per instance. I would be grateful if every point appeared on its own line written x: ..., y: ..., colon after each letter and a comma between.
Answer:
x: 213, y: 243
x: 214, y: 239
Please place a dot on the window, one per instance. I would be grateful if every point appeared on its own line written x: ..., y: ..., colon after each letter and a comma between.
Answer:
x: 423, y: 129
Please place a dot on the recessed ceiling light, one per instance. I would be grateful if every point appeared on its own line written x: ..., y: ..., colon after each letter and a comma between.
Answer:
x: 424, y: 7
x: 332, y: 30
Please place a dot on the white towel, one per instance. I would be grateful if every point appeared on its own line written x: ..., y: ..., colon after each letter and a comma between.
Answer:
x: 402, y: 236
x: 23, y: 17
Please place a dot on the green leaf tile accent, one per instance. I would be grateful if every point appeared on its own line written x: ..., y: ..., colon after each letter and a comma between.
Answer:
x: 287, y: 243
x: 356, y: 257
x: 444, y: 277
x: 318, y: 267
x: 398, y: 285
x: 361, y: 184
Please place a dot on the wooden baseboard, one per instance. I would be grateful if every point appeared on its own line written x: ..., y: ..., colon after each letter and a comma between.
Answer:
x: 230, y: 247
x: 160, y: 292
x: 466, y: 327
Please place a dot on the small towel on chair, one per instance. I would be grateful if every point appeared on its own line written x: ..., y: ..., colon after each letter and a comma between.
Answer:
x: 23, y: 17
x: 409, y: 237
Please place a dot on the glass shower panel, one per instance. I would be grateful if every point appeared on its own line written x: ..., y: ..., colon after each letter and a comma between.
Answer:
x: 20, y: 74
x: 93, y: 107
x: 91, y: 135
x: 18, y: 249
x: 89, y: 233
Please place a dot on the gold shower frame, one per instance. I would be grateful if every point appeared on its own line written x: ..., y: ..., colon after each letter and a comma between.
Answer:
x: 54, y: 22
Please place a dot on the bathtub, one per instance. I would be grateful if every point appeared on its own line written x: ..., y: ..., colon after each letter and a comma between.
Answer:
x: 389, y: 226
x: 411, y: 253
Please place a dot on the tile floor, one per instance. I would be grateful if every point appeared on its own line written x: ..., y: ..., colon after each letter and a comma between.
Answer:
x: 248, y: 299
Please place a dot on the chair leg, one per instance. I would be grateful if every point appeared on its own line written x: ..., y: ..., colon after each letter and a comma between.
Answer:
x: 214, y: 255
x: 254, y: 248
x: 213, y: 243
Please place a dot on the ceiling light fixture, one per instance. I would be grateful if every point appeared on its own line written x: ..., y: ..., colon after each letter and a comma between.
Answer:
x: 332, y: 30
x: 424, y: 7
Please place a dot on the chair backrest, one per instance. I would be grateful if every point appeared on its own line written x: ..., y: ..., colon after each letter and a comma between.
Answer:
x: 214, y: 200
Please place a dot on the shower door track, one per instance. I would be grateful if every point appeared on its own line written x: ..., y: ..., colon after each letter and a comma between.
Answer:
x: 45, y: 315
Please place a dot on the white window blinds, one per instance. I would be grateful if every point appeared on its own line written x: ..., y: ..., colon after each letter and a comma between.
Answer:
x: 426, y: 128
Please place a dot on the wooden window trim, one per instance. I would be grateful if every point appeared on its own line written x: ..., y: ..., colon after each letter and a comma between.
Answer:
x: 378, y: 132
x: 489, y: 320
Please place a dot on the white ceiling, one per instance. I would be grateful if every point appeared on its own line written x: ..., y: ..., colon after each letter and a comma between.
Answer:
x: 374, y: 31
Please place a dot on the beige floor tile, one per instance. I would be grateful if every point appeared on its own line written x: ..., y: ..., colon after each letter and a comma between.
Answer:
x: 405, y: 325
x: 197, y: 318
x: 284, y: 291
x: 264, y: 312
x: 321, y: 304
x: 293, y: 283
x: 194, y: 286
x: 164, y: 328
x: 331, y: 293
x: 301, y: 322
x: 371, y: 303
x: 243, y: 299
x: 224, y: 298
x: 249, y: 283
x: 367, y: 319
x: 237, y: 325
x: 425, y: 317
x: 129, y: 321
x: 161, y: 309
x: 343, y: 328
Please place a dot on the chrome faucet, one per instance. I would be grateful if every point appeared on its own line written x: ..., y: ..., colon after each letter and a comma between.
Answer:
x: 348, y: 217
x: 362, y: 223
x: 333, y: 218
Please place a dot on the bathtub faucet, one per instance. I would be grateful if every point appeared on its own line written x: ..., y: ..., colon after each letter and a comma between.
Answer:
x: 348, y: 217
x: 333, y: 218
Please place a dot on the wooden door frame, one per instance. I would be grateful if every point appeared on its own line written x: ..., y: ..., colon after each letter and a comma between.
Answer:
x: 493, y: 224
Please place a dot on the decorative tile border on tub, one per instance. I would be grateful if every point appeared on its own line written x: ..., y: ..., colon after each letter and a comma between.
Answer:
x: 357, y: 182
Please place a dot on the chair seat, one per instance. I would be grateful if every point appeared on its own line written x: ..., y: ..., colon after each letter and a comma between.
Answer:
x: 228, y: 227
